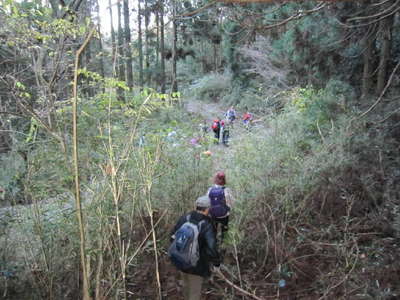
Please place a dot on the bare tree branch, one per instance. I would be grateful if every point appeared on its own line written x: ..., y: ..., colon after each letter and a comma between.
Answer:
x: 195, y: 12
x: 389, y: 9
x: 300, y: 14
x: 383, y: 92
x: 261, y: 62
x: 389, y: 82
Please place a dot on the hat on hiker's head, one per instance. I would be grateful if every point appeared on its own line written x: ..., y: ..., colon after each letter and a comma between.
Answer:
x: 219, y: 178
x: 203, y: 201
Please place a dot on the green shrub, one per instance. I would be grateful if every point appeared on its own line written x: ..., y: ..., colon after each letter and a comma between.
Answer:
x: 211, y: 86
x: 122, y: 185
x: 10, y: 181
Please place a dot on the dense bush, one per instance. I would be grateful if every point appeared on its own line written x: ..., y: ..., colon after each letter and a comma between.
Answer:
x: 211, y: 86
x: 311, y: 180
x: 127, y: 186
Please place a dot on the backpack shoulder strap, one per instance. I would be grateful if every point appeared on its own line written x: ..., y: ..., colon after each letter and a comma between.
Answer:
x: 217, y: 187
x: 220, y: 187
x: 200, y: 224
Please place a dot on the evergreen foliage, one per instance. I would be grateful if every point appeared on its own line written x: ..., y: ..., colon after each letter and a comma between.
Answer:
x: 316, y: 178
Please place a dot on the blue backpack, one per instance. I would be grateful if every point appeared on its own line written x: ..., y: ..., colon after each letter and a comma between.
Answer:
x: 218, y: 206
x: 184, y: 251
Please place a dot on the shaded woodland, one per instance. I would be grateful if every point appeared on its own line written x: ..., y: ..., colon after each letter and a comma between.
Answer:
x: 91, y: 181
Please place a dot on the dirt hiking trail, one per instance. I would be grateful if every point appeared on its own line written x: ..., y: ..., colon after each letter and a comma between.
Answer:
x: 223, y: 156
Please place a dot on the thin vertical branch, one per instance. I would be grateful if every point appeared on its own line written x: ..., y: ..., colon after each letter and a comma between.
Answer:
x: 149, y: 167
x: 116, y: 192
x: 237, y: 262
x: 78, y: 203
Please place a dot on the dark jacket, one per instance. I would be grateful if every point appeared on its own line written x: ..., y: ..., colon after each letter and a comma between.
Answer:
x: 207, y: 244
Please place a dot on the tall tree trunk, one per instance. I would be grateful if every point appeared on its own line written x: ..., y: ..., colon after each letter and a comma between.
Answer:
x: 88, y: 52
x: 113, y: 46
x: 162, y: 48
x: 157, y: 38
x: 215, y: 57
x: 120, y: 52
x: 129, y: 71
x: 146, y: 42
x: 385, y: 30
x: 140, y: 45
x: 368, y: 44
x: 174, y: 86
x: 101, y: 57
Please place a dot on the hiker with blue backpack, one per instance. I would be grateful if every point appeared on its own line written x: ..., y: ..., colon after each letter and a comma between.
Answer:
x: 221, y: 201
x: 194, y: 248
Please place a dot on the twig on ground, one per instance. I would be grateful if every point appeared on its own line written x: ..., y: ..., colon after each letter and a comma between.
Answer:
x: 237, y: 263
x: 344, y: 277
x: 145, y: 239
x: 239, y: 289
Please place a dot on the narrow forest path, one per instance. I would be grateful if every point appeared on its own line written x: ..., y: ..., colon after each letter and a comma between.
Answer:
x: 208, y: 111
x: 223, y: 159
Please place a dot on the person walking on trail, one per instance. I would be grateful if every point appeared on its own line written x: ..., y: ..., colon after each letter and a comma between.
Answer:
x: 225, y: 133
x: 221, y: 200
x: 230, y: 115
x: 247, y: 118
x: 216, y: 128
x: 203, y: 128
x: 194, y: 248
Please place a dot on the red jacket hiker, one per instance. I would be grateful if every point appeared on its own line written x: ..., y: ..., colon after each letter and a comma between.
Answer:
x: 247, y: 116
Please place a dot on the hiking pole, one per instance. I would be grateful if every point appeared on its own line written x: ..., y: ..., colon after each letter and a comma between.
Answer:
x: 239, y: 289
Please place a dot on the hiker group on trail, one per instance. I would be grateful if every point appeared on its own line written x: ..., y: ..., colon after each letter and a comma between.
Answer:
x: 221, y: 131
x: 194, y: 242
x: 221, y: 128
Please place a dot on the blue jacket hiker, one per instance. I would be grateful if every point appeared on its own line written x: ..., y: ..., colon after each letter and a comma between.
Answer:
x: 194, y: 248
x: 230, y: 115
